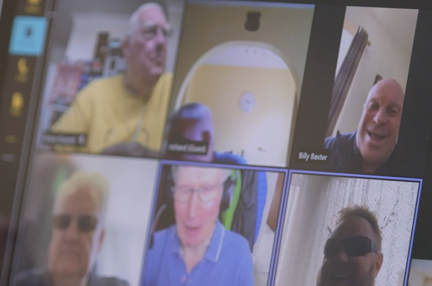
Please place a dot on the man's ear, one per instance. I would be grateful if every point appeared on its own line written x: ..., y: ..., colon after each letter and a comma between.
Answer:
x: 379, y: 263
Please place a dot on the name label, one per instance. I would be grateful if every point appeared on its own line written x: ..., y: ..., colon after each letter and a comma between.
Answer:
x: 79, y: 140
x: 188, y: 147
x: 320, y: 156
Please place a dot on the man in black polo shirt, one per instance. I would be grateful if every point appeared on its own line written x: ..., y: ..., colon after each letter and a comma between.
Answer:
x: 370, y: 148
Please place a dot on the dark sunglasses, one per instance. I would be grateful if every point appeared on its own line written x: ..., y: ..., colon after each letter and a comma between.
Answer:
x: 85, y: 223
x: 353, y: 246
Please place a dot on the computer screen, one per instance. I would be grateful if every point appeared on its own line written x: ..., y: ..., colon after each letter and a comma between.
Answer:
x: 200, y: 142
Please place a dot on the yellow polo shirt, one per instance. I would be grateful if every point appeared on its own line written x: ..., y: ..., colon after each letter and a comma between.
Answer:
x: 109, y: 114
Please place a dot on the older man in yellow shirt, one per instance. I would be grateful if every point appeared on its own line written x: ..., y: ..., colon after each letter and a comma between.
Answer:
x: 125, y: 114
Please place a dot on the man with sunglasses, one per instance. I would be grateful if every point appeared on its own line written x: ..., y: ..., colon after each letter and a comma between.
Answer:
x: 76, y: 237
x: 198, y: 250
x: 125, y: 114
x: 352, y: 254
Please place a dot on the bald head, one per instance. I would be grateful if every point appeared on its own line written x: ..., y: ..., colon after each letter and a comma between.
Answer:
x: 390, y: 86
x: 193, y: 122
x: 378, y: 128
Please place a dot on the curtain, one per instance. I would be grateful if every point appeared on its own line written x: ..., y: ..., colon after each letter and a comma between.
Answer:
x: 345, y: 77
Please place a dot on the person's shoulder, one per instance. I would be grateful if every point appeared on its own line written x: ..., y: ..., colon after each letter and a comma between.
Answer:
x: 338, y: 140
x: 164, y: 84
x: 160, y: 238
x: 228, y: 158
x: 33, y: 277
x: 166, y: 77
x: 101, y: 87
x: 163, y: 232
x: 236, y: 244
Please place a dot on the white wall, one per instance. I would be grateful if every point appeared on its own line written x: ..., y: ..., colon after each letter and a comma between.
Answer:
x: 246, y: 56
x: 416, y: 278
x: 263, y: 247
x: 386, y: 56
x: 421, y: 272
x: 86, y: 26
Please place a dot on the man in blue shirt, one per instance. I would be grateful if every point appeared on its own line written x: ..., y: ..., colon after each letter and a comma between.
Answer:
x: 198, y: 250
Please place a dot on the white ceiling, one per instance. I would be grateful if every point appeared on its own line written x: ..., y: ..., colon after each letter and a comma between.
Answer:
x: 422, y: 266
x: 399, y: 23
x: 246, y: 56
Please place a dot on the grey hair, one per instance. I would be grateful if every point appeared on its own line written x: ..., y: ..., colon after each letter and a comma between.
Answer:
x: 226, y: 172
x: 94, y: 184
x: 135, y: 18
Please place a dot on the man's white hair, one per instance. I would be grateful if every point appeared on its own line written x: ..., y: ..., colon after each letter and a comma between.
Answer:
x: 226, y: 173
x: 94, y: 184
x: 134, y: 21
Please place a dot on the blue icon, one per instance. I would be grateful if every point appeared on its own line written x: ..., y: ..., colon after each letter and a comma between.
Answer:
x: 28, y: 36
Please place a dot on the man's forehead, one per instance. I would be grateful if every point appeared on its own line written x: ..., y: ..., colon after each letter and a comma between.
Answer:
x: 388, y: 90
x: 197, y: 175
x: 152, y: 15
x: 353, y: 226
x: 80, y: 201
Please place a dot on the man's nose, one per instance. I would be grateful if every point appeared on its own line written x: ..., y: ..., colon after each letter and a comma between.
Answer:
x: 381, y: 116
x: 194, y: 205
x: 342, y: 256
x: 160, y: 39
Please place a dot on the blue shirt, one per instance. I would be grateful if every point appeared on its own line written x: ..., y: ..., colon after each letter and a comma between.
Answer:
x: 346, y: 157
x: 227, y: 261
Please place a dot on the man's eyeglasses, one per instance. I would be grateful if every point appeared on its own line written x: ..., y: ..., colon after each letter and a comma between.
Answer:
x: 205, y: 194
x: 353, y: 246
x: 85, y: 223
x: 150, y: 30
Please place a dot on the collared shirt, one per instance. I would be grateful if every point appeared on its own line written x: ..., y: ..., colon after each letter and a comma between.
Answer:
x: 109, y: 114
x: 346, y: 157
x: 227, y: 261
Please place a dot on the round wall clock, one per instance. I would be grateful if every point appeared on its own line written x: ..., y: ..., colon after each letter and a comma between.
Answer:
x: 247, y: 102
